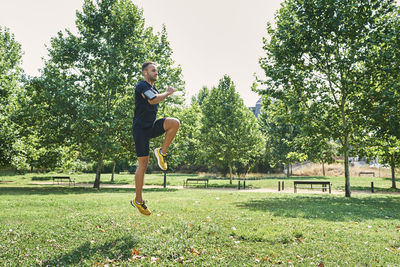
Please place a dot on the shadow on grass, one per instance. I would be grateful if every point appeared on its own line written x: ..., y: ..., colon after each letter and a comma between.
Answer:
x: 48, y: 190
x: 329, y: 208
x: 41, y: 178
x: 390, y: 179
x: 368, y: 188
x: 118, y: 249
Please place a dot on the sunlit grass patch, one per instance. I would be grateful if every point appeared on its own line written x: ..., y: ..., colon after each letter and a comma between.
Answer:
x: 82, y: 226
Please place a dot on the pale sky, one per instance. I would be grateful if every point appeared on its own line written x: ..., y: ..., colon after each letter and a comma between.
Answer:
x: 209, y: 38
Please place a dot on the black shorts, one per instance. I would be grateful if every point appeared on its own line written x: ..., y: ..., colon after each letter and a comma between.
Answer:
x: 142, y: 137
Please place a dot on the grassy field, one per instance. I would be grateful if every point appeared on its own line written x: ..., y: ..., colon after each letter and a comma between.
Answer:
x: 61, y: 225
x: 176, y: 179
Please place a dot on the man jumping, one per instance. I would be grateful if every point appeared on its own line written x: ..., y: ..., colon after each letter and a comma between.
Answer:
x: 145, y: 126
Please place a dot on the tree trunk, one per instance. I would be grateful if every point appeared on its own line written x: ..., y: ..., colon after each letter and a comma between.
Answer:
x: 98, y: 171
x: 345, y: 144
x: 392, y: 166
x: 346, y: 165
x: 113, y: 171
x: 288, y: 170
x: 323, y: 169
x: 230, y: 174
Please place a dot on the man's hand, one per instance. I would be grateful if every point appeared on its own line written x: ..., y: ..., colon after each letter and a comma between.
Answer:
x: 171, y: 90
x: 161, y: 97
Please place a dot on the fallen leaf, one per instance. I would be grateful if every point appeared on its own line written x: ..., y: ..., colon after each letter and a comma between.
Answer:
x: 321, y: 264
x: 397, y: 226
x: 135, y: 251
x: 195, y: 252
x: 265, y: 259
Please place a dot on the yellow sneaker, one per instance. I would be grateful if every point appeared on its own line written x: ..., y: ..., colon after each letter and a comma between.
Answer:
x: 162, y: 163
x: 141, y: 207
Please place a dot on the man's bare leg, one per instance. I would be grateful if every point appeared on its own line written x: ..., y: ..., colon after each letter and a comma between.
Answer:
x: 139, y: 177
x: 171, y: 126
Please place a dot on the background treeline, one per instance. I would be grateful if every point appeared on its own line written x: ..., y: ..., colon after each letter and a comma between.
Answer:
x: 331, y: 88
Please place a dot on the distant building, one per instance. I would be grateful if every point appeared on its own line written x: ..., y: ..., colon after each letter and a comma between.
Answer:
x: 257, y: 109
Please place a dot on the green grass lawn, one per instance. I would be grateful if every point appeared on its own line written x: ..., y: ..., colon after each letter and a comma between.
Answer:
x: 61, y: 225
x: 177, y: 179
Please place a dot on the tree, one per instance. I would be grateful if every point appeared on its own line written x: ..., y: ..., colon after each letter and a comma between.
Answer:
x: 188, y: 140
x: 203, y: 93
x: 10, y: 86
x: 381, y: 104
x: 319, y: 149
x: 85, y: 95
x: 384, y: 148
x: 317, y: 57
x: 230, y: 132
x: 388, y: 152
x: 313, y: 141
x: 280, y: 134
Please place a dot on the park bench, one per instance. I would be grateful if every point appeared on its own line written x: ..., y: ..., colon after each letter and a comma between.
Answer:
x: 373, y: 173
x: 324, y: 185
x: 195, y: 181
x: 59, y: 179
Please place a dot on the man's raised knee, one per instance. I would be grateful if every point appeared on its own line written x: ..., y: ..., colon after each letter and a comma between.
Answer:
x: 172, y: 123
x: 177, y: 123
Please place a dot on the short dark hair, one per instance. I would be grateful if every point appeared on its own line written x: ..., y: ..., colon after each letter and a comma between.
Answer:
x: 147, y: 63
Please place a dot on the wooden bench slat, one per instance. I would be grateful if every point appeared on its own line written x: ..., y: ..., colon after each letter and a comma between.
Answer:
x: 197, y: 180
x: 70, y: 181
x: 325, y: 185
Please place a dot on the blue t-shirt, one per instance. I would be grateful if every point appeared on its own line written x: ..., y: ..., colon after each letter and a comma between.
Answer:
x: 145, y: 113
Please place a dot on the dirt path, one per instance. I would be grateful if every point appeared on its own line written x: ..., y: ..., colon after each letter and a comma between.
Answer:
x: 253, y: 190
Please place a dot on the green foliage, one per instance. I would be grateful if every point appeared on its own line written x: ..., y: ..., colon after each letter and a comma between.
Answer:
x: 11, y: 148
x: 317, y: 59
x: 381, y: 103
x: 230, y: 132
x: 187, y: 144
x: 85, y: 95
x: 199, y: 98
x: 280, y: 133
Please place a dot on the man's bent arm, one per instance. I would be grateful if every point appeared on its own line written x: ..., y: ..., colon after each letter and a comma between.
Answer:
x: 160, y: 97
